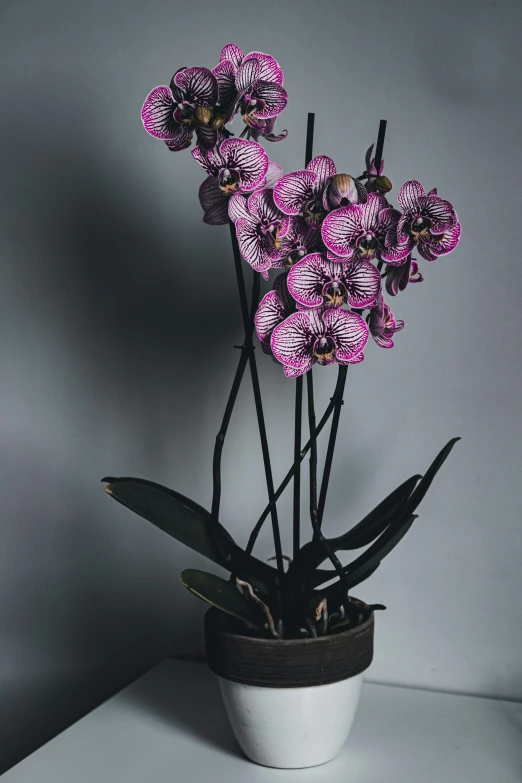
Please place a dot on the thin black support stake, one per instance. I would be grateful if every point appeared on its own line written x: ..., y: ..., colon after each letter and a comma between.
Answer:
x: 337, y: 410
x: 380, y: 144
x: 330, y: 454
x: 313, y: 483
x: 338, y: 392
x: 249, y: 348
x: 309, y: 137
x: 299, y: 386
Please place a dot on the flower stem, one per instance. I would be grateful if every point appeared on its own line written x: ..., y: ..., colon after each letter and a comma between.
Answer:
x: 249, y: 349
x: 337, y: 410
x: 330, y: 453
x: 220, y: 437
x: 339, y: 388
x: 299, y: 385
x: 297, y: 476
x: 313, y: 481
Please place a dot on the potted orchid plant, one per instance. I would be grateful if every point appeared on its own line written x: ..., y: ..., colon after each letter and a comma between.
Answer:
x: 290, y: 642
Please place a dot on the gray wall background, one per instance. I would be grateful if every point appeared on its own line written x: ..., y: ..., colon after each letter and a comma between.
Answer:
x: 118, y: 312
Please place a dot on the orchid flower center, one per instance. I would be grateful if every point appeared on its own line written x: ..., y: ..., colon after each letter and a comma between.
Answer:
x: 314, y: 213
x: 274, y: 230
x: 334, y: 293
x: 324, y: 350
x: 184, y: 112
x: 229, y: 180
x: 368, y: 245
x: 294, y: 256
x: 250, y: 105
x: 420, y: 228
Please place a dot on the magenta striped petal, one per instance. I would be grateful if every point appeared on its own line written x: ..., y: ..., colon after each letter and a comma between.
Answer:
x: 248, y: 157
x: 214, y: 202
x: 363, y: 283
x: 395, y: 255
x: 341, y: 228
x: 281, y: 286
x: 409, y: 195
x: 269, y: 68
x: 225, y: 76
x: 237, y: 207
x: 371, y: 211
x: 292, y: 340
x: 349, y: 331
x: 307, y: 278
x: 207, y: 138
x: 324, y: 167
x: 388, y: 219
x: 432, y: 250
x: 262, y: 206
x: 403, y: 228
x: 353, y: 360
x: 181, y: 140
x: 291, y: 372
x: 157, y: 114
x: 274, y: 173
x: 211, y: 160
x: 217, y: 215
x: 233, y: 53
x: 293, y: 190
x: 440, y: 212
x: 199, y: 85
x: 397, y: 278
x: 270, y: 313
x: 273, y: 95
x: 339, y: 259
x: 250, y: 245
x: 247, y: 74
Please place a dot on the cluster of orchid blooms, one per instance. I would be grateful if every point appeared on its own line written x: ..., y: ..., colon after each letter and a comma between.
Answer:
x: 335, y: 238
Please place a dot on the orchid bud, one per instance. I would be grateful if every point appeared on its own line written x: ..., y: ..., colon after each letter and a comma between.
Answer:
x: 383, y: 184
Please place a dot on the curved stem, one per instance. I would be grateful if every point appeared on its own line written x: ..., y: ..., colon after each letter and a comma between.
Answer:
x: 313, y: 482
x: 330, y: 454
x: 220, y: 437
x: 249, y: 348
x: 297, y: 477
x: 338, y: 393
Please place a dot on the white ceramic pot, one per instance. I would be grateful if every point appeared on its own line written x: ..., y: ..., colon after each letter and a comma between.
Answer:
x: 291, y: 702
x: 291, y: 728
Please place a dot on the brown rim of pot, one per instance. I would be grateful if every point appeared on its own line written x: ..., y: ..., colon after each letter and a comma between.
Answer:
x: 287, y: 663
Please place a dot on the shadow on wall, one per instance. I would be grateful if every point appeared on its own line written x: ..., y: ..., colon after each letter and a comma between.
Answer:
x: 112, y: 311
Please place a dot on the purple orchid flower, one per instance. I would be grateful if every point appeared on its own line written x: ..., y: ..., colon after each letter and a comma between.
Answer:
x: 299, y: 241
x: 174, y: 113
x: 427, y: 221
x: 310, y: 192
x: 382, y: 324
x: 315, y: 281
x: 239, y: 165
x: 360, y: 230
x: 275, y: 306
x: 310, y: 337
x: 398, y: 277
x: 260, y: 231
x: 217, y: 204
x: 252, y: 84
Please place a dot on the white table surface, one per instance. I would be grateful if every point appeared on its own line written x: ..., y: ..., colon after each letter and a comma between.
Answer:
x: 170, y: 726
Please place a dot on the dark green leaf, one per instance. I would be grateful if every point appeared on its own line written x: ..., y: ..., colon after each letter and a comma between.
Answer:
x: 190, y: 524
x: 218, y: 592
x: 364, y: 566
x: 428, y: 477
x: 377, y: 520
